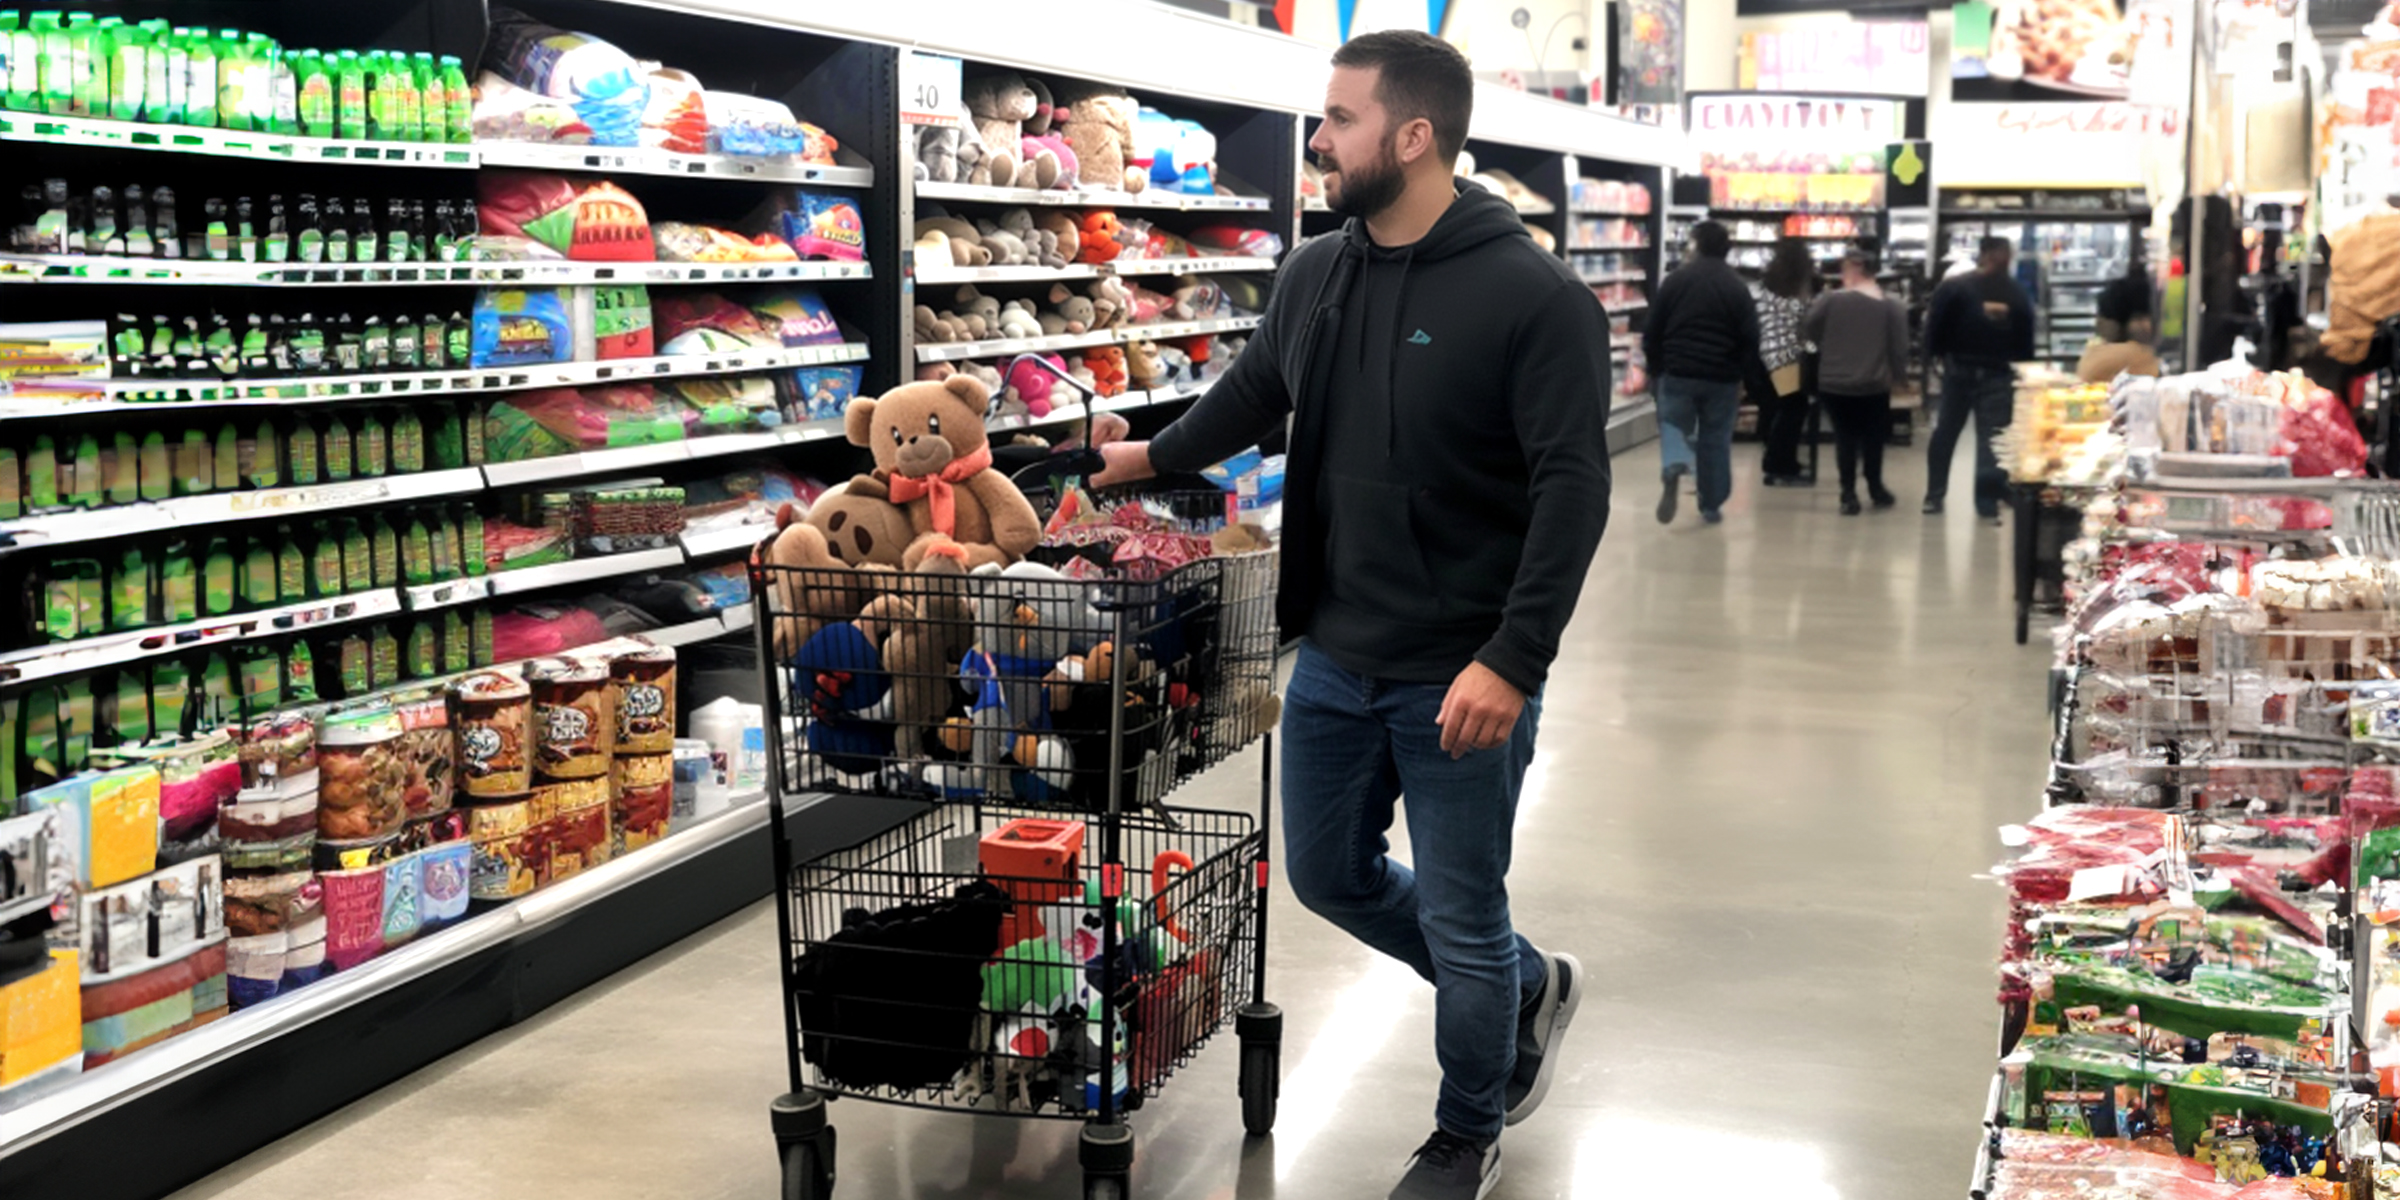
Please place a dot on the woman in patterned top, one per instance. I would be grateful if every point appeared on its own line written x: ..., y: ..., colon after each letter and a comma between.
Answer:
x: 1783, y: 296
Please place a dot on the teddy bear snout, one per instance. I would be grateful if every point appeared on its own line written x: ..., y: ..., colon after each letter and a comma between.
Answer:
x: 924, y: 454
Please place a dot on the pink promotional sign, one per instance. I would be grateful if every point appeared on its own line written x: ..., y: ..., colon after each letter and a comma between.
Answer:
x: 1884, y: 58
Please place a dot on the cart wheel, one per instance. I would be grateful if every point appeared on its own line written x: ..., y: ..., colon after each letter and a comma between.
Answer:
x: 1262, y: 1083
x: 1105, y: 1187
x: 808, y: 1170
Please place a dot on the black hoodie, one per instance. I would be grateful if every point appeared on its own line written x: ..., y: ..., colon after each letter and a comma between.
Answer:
x: 1448, y: 474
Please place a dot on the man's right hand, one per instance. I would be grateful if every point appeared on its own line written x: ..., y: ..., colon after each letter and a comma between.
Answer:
x: 1128, y: 462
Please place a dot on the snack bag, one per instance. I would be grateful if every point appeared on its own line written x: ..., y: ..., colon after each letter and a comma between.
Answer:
x: 521, y: 326
x: 821, y: 393
x: 820, y: 226
x: 801, y: 318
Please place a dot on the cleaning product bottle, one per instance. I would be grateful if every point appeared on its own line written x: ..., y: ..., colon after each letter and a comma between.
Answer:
x: 10, y: 27
x: 458, y: 103
x: 350, y: 94
x: 178, y: 583
x: 41, y: 474
x: 291, y: 566
x: 128, y: 71
x: 200, y: 80
x: 219, y: 578
x: 195, y: 467
x: 235, y: 105
x: 320, y: 113
x: 158, y: 467
x: 158, y: 102
x: 55, y: 63
x: 129, y: 593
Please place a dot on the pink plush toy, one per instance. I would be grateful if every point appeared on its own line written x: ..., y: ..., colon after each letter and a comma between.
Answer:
x: 1032, y: 384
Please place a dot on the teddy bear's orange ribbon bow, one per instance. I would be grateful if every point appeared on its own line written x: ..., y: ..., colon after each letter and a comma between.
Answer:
x: 942, y: 489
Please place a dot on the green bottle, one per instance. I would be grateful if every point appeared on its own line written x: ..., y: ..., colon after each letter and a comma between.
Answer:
x: 416, y: 553
x: 319, y: 115
x: 283, y: 83
x: 358, y: 557
x: 458, y: 645
x: 382, y: 97
x: 218, y: 578
x: 412, y: 81
x: 41, y: 475
x: 260, y: 587
x: 228, y: 459
x: 54, y: 59
x: 129, y: 598
x: 121, y: 467
x: 12, y: 484
x: 350, y: 94
x: 200, y: 80
x: 128, y: 71
x: 325, y: 562
x: 481, y: 640
x: 383, y: 656
x: 176, y: 92
x: 470, y: 539
x: 387, y: 551
x: 159, y: 105
x: 158, y: 467
x: 337, y: 449
x: 234, y: 105
x: 408, y: 443
x: 261, y: 462
x: 300, y: 674
x: 374, y: 447
x: 356, y: 674
x: 84, y: 65
x: 86, y: 488
x: 170, y: 694
x: 458, y: 103
x: 291, y: 567
x: 16, y: 60
x: 421, y: 655
x: 132, y: 706
x: 195, y: 467
x: 302, y: 450
x: 178, y: 584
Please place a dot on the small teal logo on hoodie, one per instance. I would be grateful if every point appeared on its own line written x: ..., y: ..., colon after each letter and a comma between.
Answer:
x: 1420, y: 338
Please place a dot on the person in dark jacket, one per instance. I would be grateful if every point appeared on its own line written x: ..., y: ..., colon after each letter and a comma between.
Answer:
x: 1977, y: 324
x: 1703, y: 331
x: 1447, y: 385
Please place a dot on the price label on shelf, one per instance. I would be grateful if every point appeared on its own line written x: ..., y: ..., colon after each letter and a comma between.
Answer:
x: 929, y: 89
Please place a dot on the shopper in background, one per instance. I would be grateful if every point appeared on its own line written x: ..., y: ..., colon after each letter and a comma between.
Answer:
x: 1782, y: 300
x: 1977, y: 325
x: 1861, y: 340
x: 1703, y: 329
x: 1447, y: 484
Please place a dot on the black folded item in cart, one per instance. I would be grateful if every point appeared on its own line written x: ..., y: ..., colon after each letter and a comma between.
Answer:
x: 892, y: 999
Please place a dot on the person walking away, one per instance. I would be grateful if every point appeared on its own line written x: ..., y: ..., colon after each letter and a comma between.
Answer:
x: 1703, y: 328
x: 1861, y: 337
x: 1977, y: 325
x: 1447, y: 483
x: 1782, y: 300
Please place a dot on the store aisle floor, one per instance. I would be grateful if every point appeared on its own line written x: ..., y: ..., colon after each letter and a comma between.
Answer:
x: 1772, y: 756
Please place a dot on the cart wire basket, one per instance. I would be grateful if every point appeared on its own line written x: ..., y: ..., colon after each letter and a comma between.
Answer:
x: 1045, y: 937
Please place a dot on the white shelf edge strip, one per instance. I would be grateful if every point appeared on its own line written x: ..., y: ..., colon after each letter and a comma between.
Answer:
x: 633, y: 160
x: 93, y: 524
x: 582, y: 570
x: 956, y: 351
x: 177, y: 1058
x: 113, y: 649
x: 112, y: 269
x: 1091, y: 198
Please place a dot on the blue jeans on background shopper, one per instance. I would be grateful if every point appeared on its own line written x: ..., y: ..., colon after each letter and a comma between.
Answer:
x: 1987, y: 392
x: 1695, y: 430
x: 1352, y: 745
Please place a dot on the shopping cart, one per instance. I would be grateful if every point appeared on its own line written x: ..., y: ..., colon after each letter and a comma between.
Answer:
x: 1045, y: 937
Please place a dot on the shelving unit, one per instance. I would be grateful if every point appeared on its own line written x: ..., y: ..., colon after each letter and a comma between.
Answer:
x: 203, y: 1098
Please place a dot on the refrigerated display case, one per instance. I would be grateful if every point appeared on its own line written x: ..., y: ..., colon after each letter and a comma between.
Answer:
x: 2070, y: 246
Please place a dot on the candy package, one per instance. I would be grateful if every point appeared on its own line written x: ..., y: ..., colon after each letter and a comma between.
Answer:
x: 516, y: 327
x: 820, y: 393
x: 708, y: 323
x: 674, y: 118
x: 819, y: 225
x: 540, y: 215
x: 1237, y: 239
x: 756, y: 127
x: 801, y: 318
x: 613, y: 321
x: 505, y: 112
x: 679, y: 242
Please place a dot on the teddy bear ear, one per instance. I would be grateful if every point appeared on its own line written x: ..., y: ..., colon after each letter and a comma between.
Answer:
x: 969, y: 389
x: 858, y: 420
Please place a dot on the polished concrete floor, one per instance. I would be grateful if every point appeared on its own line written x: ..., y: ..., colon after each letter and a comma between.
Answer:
x: 1771, y: 762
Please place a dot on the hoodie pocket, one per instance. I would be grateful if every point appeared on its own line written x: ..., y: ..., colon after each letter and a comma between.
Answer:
x: 1372, y: 553
x: 1479, y: 541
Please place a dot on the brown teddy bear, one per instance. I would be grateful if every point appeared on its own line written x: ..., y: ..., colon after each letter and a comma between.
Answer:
x: 1112, y: 302
x: 836, y: 553
x: 1064, y: 231
x: 1001, y: 103
x: 1143, y: 367
x: 933, y: 459
x: 961, y: 240
x: 1098, y: 124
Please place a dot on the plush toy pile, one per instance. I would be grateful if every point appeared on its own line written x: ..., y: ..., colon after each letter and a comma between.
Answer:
x: 1013, y: 130
x: 931, y: 655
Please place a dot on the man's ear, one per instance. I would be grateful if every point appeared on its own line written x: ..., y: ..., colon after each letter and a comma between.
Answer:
x: 1415, y: 142
x: 858, y: 422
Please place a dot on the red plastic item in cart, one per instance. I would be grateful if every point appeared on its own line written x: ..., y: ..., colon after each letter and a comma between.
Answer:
x: 1036, y: 862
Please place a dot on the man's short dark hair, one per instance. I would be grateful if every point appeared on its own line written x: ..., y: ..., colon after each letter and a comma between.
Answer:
x: 1863, y: 258
x: 1710, y: 240
x: 1994, y: 245
x: 1417, y: 75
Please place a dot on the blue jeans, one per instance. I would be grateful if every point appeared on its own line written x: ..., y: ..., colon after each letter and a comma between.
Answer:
x: 1352, y: 745
x: 1988, y: 394
x: 1695, y: 429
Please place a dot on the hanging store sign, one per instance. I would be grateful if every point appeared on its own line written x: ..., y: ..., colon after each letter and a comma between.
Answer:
x: 1778, y: 118
x: 1889, y: 57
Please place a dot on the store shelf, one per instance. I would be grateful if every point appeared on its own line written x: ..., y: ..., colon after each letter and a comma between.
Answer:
x: 1192, y: 266
x: 1089, y: 197
x: 739, y: 619
x: 227, y: 143
x: 1636, y: 306
x: 562, y: 273
x: 942, y: 276
x: 1066, y: 412
x: 1180, y: 329
x: 690, y: 632
x: 1316, y: 206
x: 1581, y: 211
x: 634, y: 458
x: 1141, y: 398
x: 1626, y: 248
x: 1616, y: 277
x: 724, y: 541
x: 87, y: 654
x: 960, y: 351
x: 100, y: 523
x: 618, y: 160
x: 114, y: 269
x: 582, y: 570
x: 2044, y: 214
x: 1541, y: 208
x: 141, y: 395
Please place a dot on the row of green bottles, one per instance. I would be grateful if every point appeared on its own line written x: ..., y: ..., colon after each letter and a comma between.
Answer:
x: 73, y: 64
x: 99, y: 470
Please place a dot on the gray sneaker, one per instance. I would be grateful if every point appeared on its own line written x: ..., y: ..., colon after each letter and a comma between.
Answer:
x: 1672, y: 479
x: 1539, y: 1031
x: 1449, y: 1167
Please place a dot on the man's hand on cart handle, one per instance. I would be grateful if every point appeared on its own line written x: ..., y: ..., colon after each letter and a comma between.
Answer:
x: 1128, y: 462
x: 1109, y: 427
x: 1479, y: 713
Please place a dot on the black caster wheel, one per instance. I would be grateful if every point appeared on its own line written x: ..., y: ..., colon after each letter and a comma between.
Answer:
x: 1106, y: 1156
x: 805, y: 1141
x: 1260, y: 1027
x: 1105, y: 1187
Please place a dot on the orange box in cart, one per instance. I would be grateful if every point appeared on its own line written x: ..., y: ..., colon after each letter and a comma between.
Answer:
x: 41, y: 1019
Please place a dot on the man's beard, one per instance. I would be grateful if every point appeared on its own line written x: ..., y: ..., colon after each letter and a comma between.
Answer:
x: 1365, y: 191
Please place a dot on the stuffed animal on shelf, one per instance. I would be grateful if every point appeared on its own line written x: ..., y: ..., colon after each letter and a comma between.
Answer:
x: 1008, y: 250
x: 1040, y: 243
x: 1097, y: 233
x: 933, y: 327
x: 1098, y: 123
x: 963, y: 241
x: 1019, y: 319
x: 937, y: 154
x: 1066, y: 230
x: 1000, y: 103
x: 1176, y: 364
x: 985, y: 311
x: 982, y: 373
x: 1033, y: 386
x: 1067, y: 312
x: 1041, y: 133
x: 1112, y: 302
x: 933, y: 457
x: 1150, y: 307
x: 1107, y: 365
x: 1143, y: 367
